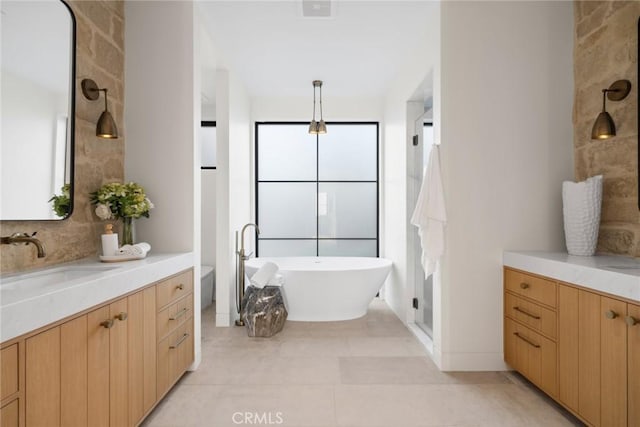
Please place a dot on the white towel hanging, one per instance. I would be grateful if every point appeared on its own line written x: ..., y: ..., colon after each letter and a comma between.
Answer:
x: 430, y: 215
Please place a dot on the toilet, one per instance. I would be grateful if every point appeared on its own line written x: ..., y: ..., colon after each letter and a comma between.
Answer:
x: 207, y: 286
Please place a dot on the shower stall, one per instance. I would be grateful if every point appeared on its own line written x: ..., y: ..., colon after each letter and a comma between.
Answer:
x: 423, y: 287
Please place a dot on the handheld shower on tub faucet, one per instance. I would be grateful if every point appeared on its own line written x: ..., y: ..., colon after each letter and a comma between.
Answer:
x: 241, y: 257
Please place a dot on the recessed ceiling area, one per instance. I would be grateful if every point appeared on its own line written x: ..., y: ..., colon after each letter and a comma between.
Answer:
x: 276, y: 51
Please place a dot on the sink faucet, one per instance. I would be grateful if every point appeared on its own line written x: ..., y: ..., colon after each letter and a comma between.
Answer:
x: 25, y: 238
x: 240, y: 273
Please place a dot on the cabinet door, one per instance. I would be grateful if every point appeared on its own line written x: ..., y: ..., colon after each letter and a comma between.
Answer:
x: 118, y: 365
x: 142, y: 353
x: 99, y: 323
x: 613, y: 333
x: 73, y: 373
x: 9, y: 416
x: 633, y: 362
x: 568, y: 325
x: 589, y: 316
x: 9, y: 383
x: 42, y: 366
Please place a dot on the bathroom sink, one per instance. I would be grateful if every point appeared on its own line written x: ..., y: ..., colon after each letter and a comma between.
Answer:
x: 41, y: 280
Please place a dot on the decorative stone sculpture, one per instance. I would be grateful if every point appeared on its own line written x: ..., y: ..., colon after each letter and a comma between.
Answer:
x: 263, y: 311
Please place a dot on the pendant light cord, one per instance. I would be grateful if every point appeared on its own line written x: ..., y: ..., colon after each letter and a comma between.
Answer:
x: 314, y: 103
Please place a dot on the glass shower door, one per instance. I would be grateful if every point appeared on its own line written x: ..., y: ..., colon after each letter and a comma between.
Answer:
x: 423, y: 303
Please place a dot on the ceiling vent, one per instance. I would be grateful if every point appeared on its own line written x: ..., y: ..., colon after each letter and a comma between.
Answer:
x: 318, y: 8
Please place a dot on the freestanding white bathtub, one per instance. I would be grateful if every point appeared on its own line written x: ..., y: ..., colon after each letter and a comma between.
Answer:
x: 318, y: 289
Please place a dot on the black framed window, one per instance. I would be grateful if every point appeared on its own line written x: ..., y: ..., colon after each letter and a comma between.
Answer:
x: 208, y: 144
x: 317, y: 195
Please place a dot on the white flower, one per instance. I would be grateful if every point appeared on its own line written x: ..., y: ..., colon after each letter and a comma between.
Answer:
x: 151, y: 205
x: 103, y: 211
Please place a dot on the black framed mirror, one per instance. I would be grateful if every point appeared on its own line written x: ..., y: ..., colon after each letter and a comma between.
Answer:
x: 38, y: 110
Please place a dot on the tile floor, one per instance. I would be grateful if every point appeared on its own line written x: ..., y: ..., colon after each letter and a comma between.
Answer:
x: 364, y: 372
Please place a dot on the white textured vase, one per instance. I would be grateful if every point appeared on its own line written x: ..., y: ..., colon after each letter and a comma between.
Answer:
x: 581, y: 205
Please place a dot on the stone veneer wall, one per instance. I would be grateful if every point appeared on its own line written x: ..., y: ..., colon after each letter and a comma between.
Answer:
x: 100, y: 56
x: 605, y: 50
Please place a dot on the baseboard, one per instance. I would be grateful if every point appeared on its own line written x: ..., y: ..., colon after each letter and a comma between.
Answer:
x: 472, y: 362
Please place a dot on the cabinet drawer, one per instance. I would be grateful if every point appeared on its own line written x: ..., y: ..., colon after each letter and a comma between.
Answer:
x: 174, y: 288
x: 533, y: 315
x: 531, y: 354
x: 175, y: 355
x: 174, y: 315
x: 530, y: 286
x: 9, y: 416
x: 9, y: 363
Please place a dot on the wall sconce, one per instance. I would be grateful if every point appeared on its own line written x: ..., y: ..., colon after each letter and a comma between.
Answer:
x: 604, y: 127
x: 106, y: 127
x: 317, y: 127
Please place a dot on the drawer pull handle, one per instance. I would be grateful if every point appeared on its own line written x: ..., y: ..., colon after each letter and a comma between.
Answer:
x: 108, y: 324
x: 526, y: 313
x: 180, y: 341
x: 180, y: 287
x: 179, y: 314
x: 122, y: 316
x: 524, y: 285
x: 631, y: 321
x: 610, y: 314
x: 526, y: 340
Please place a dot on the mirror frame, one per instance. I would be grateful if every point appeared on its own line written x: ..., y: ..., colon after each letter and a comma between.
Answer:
x: 638, y: 108
x: 71, y: 139
x: 72, y: 115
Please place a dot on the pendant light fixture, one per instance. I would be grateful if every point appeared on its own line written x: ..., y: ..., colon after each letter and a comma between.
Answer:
x: 106, y: 126
x: 604, y: 127
x: 317, y: 127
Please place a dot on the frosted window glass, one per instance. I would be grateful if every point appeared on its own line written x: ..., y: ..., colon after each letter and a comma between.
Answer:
x: 348, y: 153
x: 286, y: 248
x: 347, y: 248
x: 287, y: 209
x: 349, y: 210
x: 286, y: 153
x: 208, y: 146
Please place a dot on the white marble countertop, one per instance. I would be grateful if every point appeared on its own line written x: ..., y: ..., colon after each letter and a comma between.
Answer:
x: 25, y: 308
x: 611, y: 274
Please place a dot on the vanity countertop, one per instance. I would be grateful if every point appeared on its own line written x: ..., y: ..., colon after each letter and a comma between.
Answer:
x: 26, y: 308
x: 611, y: 274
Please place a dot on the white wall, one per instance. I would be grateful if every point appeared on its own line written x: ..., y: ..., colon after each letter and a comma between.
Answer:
x: 208, y: 62
x: 162, y: 114
x: 399, y: 116
x: 506, y: 134
x: 301, y: 108
x: 233, y: 204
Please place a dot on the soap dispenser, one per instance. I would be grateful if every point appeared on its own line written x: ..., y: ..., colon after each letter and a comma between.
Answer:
x: 109, y: 241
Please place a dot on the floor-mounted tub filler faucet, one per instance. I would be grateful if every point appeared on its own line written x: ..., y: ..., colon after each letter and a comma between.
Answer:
x: 241, y: 257
x: 25, y: 238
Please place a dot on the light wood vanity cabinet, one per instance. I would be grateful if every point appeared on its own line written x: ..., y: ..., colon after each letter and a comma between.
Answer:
x: 597, y: 365
x: 100, y: 368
